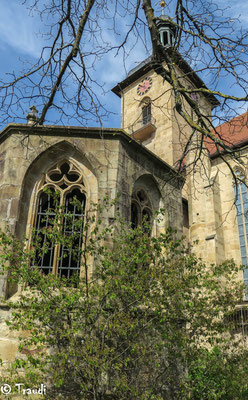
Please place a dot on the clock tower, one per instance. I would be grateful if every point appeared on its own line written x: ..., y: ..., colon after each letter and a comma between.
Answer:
x: 148, y: 111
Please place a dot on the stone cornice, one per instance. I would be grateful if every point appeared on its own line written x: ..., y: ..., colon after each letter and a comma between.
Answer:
x: 94, y: 133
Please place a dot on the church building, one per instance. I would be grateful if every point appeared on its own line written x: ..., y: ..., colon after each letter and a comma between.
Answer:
x: 138, y: 162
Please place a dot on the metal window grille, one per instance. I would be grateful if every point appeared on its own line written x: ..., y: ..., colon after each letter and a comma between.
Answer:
x: 70, y: 257
x: 65, y: 190
x: 239, y: 321
x: 45, y: 249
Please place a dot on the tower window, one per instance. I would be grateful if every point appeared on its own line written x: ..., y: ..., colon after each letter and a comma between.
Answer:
x: 146, y: 113
x: 61, y: 189
x: 165, y: 40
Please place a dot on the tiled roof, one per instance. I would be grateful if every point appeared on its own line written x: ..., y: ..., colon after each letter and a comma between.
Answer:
x: 233, y: 133
x: 148, y: 65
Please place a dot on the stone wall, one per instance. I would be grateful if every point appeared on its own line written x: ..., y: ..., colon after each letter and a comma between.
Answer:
x: 111, y: 164
x: 213, y: 216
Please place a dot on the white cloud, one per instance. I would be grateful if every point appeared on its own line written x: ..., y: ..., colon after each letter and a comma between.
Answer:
x: 114, y: 67
x: 18, y: 29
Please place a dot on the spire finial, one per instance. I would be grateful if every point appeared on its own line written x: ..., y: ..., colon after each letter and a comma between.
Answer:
x: 162, y: 4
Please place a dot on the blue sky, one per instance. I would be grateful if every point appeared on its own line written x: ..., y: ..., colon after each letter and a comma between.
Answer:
x: 20, y: 40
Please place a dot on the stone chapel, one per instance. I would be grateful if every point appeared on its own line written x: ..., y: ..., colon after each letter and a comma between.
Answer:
x: 137, y: 162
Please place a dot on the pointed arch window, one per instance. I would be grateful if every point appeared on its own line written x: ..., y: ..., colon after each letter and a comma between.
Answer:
x: 61, y: 188
x: 241, y: 197
x: 141, y: 210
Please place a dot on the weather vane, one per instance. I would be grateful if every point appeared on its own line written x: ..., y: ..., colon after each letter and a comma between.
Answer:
x: 162, y: 4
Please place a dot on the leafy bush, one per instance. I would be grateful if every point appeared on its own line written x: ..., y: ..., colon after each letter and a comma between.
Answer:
x: 144, y: 321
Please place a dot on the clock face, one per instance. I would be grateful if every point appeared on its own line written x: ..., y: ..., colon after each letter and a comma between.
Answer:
x: 144, y: 86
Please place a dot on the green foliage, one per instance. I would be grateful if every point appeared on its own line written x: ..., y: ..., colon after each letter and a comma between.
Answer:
x: 146, y: 320
x: 213, y: 376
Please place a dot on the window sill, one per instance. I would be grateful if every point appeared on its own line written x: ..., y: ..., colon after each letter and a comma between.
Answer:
x: 145, y: 132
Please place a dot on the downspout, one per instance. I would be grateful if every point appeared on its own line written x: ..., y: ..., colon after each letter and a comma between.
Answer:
x: 122, y: 108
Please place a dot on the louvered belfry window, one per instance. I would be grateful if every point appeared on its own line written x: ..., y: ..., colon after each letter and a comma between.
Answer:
x: 61, y: 189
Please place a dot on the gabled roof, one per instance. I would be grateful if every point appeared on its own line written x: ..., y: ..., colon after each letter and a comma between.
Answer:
x: 233, y: 133
x: 147, y: 65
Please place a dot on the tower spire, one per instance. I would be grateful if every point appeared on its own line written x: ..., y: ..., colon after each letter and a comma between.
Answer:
x: 162, y: 4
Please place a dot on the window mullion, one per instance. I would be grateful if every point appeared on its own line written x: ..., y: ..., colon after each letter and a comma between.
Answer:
x: 58, y: 245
